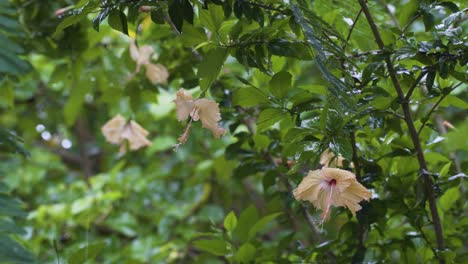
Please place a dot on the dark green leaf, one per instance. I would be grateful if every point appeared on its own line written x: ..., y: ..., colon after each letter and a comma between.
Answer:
x: 118, y: 21
x: 188, y: 11
x: 281, y: 47
x: 157, y: 16
x: 175, y: 14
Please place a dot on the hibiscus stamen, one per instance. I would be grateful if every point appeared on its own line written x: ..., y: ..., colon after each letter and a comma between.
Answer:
x: 331, y: 184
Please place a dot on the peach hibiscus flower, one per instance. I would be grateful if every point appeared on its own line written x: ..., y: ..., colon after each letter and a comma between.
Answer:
x: 331, y: 186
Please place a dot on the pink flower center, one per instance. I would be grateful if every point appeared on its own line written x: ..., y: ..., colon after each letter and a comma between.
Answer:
x: 331, y: 183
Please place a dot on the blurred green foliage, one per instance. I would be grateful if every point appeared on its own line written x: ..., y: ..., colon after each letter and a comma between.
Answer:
x: 292, y: 79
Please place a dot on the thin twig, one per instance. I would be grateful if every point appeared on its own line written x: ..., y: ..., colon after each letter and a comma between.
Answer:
x: 413, y: 134
x: 352, y: 26
x: 415, y: 84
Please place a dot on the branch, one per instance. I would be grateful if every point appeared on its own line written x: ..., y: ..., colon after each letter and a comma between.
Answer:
x: 413, y: 134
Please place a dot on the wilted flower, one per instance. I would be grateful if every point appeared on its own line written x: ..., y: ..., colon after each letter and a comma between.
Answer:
x: 119, y: 131
x: 205, y: 110
x: 330, y: 186
x: 156, y: 73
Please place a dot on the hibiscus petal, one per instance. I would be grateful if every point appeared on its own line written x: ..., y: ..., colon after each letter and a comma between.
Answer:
x: 134, y: 53
x: 157, y: 73
x: 112, y: 130
x: 331, y: 186
x: 145, y: 54
x: 136, y: 135
x: 184, y: 104
x: 208, y: 111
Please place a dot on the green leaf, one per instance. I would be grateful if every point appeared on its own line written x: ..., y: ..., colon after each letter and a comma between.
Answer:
x: 455, y: 101
x: 157, y: 16
x: 230, y: 222
x: 88, y: 252
x: 7, y: 226
x: 449, y: 198
x: 210, y: 67
x: 280, y: 84
x: 9, y: 25
x: 188, y: 11
x: 7, y: 94
x: 77, y: 16
x: 212, y: 18
x: 10, y: 206
x: 268, y: 118
x: 216, y: 247
x: 284, y: 48
x: 175, y: 14
x: 192, y: 36
x: 246, y: 253
x: 247, y: 219
x: 260, y: 224
x: 118, y: 21
x: 249, y: 96
x: 12, y: 64
x: 9, y: 46
x: 12, y: 252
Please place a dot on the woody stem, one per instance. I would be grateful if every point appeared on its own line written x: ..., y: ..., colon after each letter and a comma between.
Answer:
x: 413, y: 134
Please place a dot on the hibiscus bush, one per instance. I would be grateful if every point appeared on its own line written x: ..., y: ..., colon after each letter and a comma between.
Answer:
x: 329, y: 131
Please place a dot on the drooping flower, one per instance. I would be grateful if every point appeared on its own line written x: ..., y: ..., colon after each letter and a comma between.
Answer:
x: 119, y: 131
x: 205, y: 110
x: 156, y: 73
x: 331, y: 186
